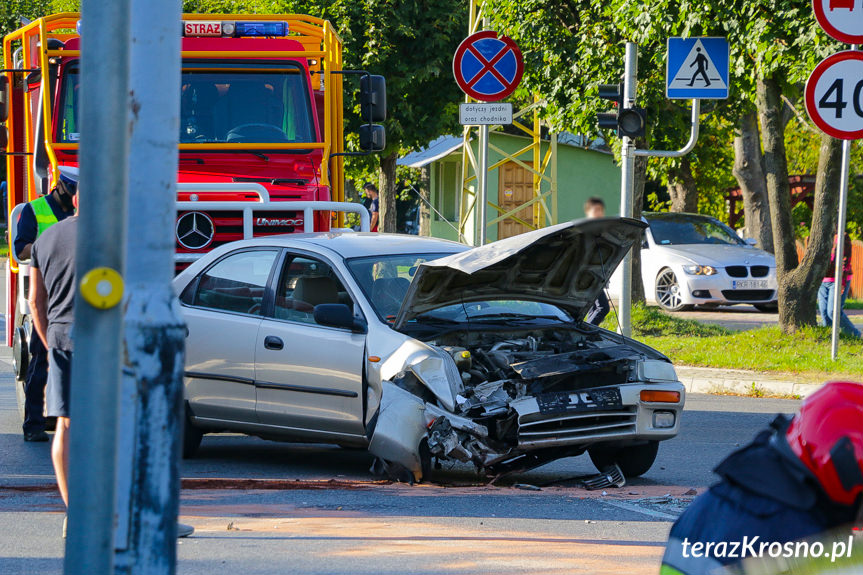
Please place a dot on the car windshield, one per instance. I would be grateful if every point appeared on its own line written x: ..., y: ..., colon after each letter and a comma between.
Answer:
x: 223, y: 106
x: 385, y: 281
x: 681, y: 229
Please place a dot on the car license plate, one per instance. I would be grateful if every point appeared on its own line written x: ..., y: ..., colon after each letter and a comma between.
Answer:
x: 749, y: 284
x: 591, y: 400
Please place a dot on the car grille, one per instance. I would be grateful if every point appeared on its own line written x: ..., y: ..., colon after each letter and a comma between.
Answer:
x: 748, y: 294
x: 736, y: 271
x: 759, y: 271
x: 539, y: 429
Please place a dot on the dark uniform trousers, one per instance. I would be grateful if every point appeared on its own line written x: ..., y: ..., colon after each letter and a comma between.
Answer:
x: 34, y: 386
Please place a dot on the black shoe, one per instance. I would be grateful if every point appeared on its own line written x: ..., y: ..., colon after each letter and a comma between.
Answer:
x: 36, y: 436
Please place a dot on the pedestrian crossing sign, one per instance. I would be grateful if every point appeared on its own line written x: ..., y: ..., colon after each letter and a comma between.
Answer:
x: 697, y: 68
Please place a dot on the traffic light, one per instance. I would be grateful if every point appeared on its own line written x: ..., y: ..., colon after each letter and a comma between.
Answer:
x: 624, y: 121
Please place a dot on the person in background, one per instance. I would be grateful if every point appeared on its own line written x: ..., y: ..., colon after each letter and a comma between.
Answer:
x: 595, y: 208
x: 827, y: 291
x: 373, y: 207
x: 797, y: 480
x: 36, y: 217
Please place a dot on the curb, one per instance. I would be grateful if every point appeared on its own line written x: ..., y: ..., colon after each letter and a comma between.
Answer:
x: 741, y: 382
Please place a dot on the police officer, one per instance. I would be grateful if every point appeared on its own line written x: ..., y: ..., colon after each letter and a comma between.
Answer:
x: 796, y: 480
x: 36, y: 217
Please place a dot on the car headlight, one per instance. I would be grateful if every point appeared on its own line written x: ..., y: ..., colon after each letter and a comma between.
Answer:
x: 656, y: 370
x: 700, y: 270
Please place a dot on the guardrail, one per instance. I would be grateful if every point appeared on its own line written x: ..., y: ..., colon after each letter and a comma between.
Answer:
x: 248, y: 208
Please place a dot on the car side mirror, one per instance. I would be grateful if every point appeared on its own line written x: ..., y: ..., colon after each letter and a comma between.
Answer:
x: 645, y: 245
x: 751, y: 242
x: 373, y: 98
x: 338, y: 315
x: 373, y: 137
x: 4, y: 98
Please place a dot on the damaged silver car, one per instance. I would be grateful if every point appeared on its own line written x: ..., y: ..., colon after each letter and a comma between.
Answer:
x: 424, y: 350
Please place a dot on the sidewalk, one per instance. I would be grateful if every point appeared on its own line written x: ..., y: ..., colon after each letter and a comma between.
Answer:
x: 744, y: 382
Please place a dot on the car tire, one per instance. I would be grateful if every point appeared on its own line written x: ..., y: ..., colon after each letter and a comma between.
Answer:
x: 772, y: 307
x: 192, y: 435
x: 633, y: 460
x: 668, y: 292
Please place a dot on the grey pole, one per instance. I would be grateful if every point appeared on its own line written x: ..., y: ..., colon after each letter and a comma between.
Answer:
x: 482, y: 182
x: 627, y: 183
x: 152, y: 399
x: 840, y: 246
x: 96, y: 367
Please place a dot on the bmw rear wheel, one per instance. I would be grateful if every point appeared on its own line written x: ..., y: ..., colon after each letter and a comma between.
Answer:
x: 669, y: 294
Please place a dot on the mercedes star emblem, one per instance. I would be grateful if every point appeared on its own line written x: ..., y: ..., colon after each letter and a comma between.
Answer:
x: 195, y: 230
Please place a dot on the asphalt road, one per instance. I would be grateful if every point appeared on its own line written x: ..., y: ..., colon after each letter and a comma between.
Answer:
x: 317, y: 509
x: 740, y: 317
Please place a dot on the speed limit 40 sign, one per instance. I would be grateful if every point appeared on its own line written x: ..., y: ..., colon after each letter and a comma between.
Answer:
x: 834, y: 95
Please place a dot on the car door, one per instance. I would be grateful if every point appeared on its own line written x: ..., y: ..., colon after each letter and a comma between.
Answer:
x: 223, y: 311
x: 309, y: 376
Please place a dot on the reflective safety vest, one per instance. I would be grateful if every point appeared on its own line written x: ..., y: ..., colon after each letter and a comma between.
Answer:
x: 45, y: 217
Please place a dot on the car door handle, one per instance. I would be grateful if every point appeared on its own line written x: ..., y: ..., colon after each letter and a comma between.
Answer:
x: 273, y: 342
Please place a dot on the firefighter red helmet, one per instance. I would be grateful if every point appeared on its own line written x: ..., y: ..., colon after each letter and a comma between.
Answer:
x: 827, y: 436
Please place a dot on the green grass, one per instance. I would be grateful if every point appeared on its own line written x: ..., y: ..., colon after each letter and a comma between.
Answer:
x: 854, y: 304
x: 688, y: 342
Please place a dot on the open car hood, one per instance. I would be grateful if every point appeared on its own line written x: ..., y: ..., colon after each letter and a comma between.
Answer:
x: 566, y: 265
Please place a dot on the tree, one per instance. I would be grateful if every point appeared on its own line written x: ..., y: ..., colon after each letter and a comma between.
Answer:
x: 574, y: 46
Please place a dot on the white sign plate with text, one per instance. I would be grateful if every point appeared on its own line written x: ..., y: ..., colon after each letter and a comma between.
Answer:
x: 490, y: 114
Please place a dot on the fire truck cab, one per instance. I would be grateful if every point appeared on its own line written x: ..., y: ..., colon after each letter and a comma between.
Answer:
x: 261, y: 141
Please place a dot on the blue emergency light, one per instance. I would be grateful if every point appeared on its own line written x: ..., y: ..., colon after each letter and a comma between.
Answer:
x: 247, y: 29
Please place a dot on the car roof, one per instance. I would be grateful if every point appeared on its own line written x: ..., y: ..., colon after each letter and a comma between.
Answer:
x: 358, y: 244
x: 680, y: 216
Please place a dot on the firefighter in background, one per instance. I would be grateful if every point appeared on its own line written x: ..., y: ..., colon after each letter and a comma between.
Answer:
x: 36, y: 217
x: 796, y: 480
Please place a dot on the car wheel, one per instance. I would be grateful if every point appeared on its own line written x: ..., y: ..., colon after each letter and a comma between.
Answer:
x: 192, y: 436
x: 668, y: 291
x: 771, y: 307
x: 633, y: 460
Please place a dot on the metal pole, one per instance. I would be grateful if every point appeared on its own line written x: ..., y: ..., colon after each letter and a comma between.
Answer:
x: 483, y: 184
x: 154, y: 329
x: 96, y: 367
x: 840, y: 246
x: 627, y: 185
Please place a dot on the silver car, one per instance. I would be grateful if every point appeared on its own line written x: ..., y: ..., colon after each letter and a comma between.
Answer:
x: 420, y: 349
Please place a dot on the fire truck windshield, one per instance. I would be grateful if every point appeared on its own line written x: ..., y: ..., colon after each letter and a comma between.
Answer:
x: 236, y: 105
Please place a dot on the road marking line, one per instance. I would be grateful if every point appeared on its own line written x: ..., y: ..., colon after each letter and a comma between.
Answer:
x: 637, y: 509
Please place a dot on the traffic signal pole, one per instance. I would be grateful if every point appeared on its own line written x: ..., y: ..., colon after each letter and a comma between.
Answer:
x: 154, y: 332
x: 99, y: 255
x: 627, y: 186
x: 627, y: 175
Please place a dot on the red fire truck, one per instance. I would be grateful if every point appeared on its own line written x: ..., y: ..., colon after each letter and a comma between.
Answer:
x: 261, y: 131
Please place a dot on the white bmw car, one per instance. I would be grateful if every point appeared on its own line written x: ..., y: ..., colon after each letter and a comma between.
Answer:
x: 692, y: 259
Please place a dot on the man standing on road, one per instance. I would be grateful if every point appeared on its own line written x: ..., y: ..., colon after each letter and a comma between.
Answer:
x: 52, y: 298
x: 595, y: 208
x: 52, y: 303
x: 36, y: 217
x: 374, y: 206
x: 797, y: 480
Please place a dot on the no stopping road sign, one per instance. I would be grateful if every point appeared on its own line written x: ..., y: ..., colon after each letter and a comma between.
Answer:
x: 834, y: 95
x: 487, y: 67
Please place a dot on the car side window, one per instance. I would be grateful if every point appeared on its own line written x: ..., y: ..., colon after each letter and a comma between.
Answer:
x: 305, y: 282
x: 236, y: 283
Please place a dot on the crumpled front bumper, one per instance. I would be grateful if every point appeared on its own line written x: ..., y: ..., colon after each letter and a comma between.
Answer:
x: 404, y: 420
x: 634, y: 420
